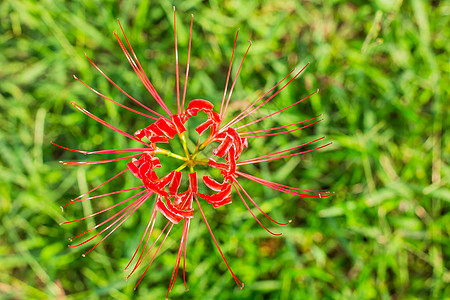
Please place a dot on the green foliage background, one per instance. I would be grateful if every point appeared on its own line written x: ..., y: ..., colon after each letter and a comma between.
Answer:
x: 383, y: 73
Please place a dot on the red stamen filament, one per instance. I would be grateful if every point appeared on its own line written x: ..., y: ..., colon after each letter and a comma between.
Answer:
x: 178, y: 260
x: 176, y: 61
x: 280, y: 157
x: 108, y: 151
x: 238, y: 282
x: 120, y: 89
x: 100, y: 196
x: 187, y: 65
x: 248, y: 208
x: 255, y: 102
x: 280, y: 127
x: 113, y: 101
x: 281, y: 187
x: 139, y: 71
x: 141, y: 257
x: 282, y: 151
x: 229, y: 72
x: 234, y: 82
x: 87, y: 113
x: 259, y: 208
x: 98, y: 161
x: 277, y: 112
x: 152, y: 222
x: 129, y: 211
x: 157, y: 250
x: 283, y: 132
x: 114, y: 177
x: 265, y: 101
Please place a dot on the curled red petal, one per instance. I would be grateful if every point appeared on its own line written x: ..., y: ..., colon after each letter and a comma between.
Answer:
x: 154, y: 128
x: 149, y: 185
x: 224, y: 146
x: 193, y: 186
x: 202, y: 127
x: 133, y: 169
x: 165, y: 180
x: 171, y: 216
x: 144, y: 168
x: 214, y: 164
x: 200, y: 104
x: 212, y: 184
x: 221, y: 198
x: 175, y: 183
x: 139, y: 133
x: 189, y: 213
x: 167, y: 127
x: 179, y: 123
x: 158, y: 139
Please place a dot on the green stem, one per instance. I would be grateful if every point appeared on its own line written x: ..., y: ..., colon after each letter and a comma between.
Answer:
x: 183, y: 143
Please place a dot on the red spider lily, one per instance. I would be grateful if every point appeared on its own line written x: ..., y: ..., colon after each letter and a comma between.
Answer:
x: 177, y: 206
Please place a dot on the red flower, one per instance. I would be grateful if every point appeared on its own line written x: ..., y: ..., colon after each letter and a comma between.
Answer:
x: 178, y: 206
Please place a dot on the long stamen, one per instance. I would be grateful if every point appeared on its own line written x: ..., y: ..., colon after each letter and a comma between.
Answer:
x: 277, y: 112
x: 98, y: 161
x: 108, y: 151
x: 113, y: 101
x: 178, y: 260
x: 234, y: 81
x: 282, y: 151
x: 256, y: 101
x: 279, y: 127
x: 187, y: 65
x: 143, y: 256
x: 152, y: 222
x: 122, y: 212
x: 284, y: 156
x: 184, y: 255
x: 259, y: 208
x: 123, y: 92
x: 248, y: 208
x: 84, y: 111
x: 157, y: 250
x: 284, y: 188
x: 229, y: 72
x: 117, y: 226
x: 265, y: 101
x: 176, y: 61
x: 283, y: 132
x: 103, y: 195
x: 139, y: 71
x: 238, y: 282
x: 112, y: 178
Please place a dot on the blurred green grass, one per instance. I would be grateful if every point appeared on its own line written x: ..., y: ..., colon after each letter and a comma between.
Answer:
x: 382, y: 69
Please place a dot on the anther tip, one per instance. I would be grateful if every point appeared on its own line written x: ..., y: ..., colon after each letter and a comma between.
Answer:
x: 192, y: 15
x: 250, y: 42
x: 62, y: 208
x: 290, y: 221
x: 83, y: 255
x: 70, y: 240
x: 75, y: 77
x: 61, y: 223
x: 318, y: 90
